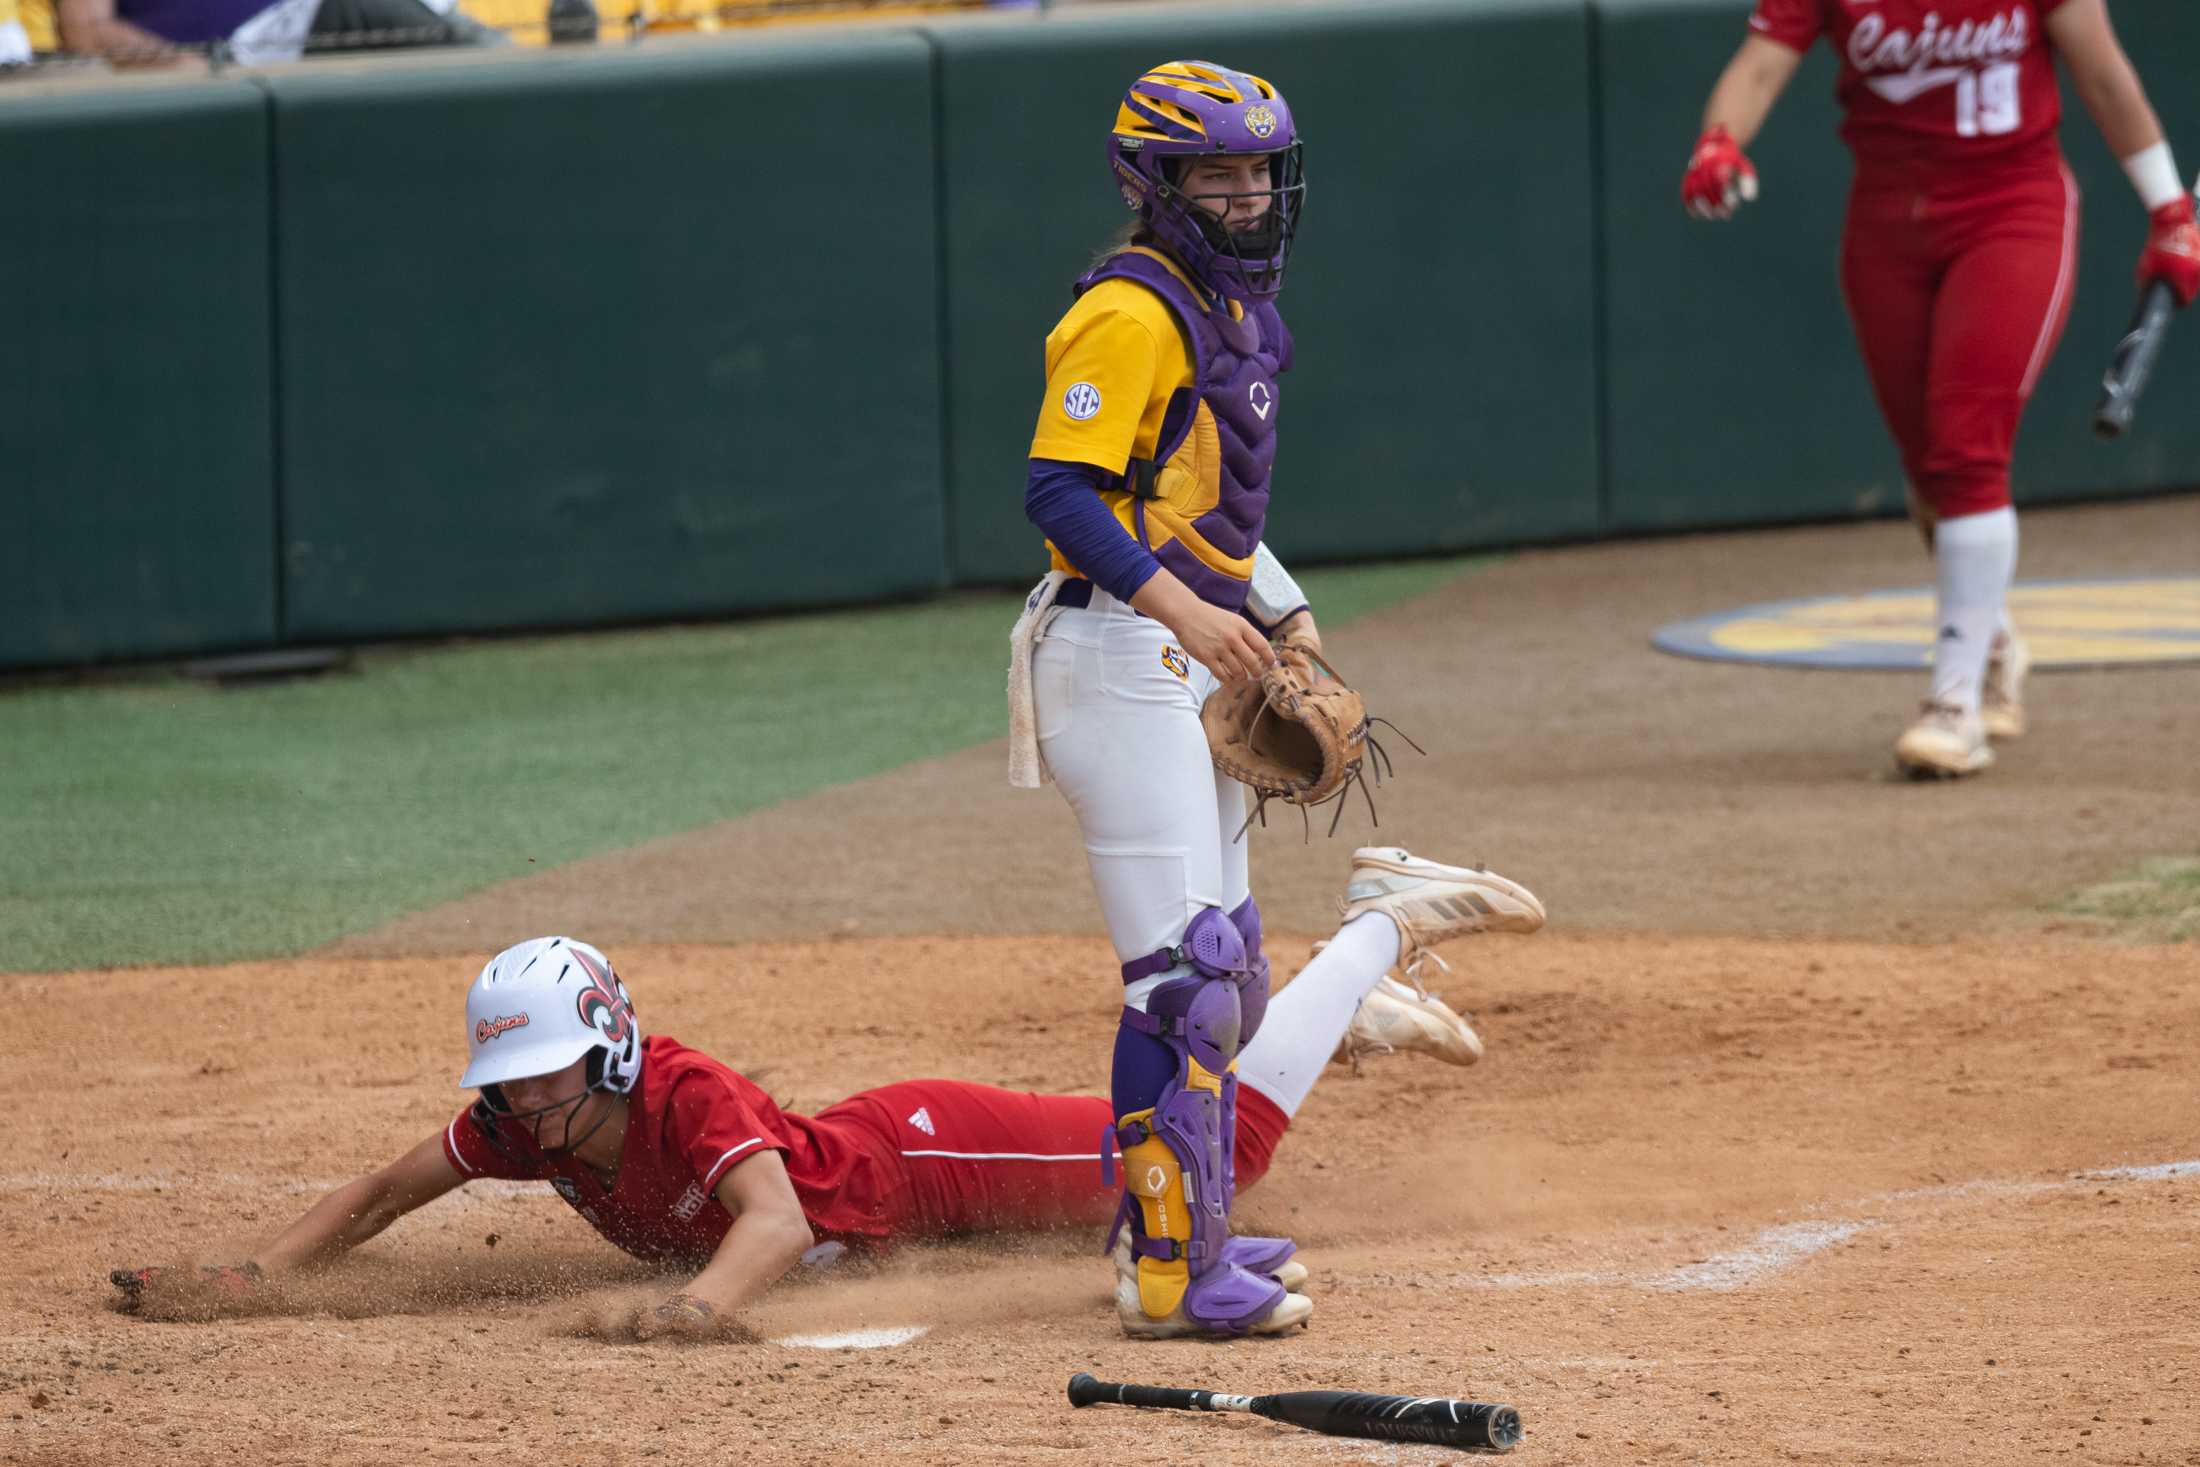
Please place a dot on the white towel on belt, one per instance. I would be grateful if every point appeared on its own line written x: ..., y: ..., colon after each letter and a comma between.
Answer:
x: 1027, y: 769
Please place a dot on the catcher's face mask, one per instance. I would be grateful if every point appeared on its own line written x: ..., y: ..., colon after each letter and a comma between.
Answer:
x: 1186, y: 110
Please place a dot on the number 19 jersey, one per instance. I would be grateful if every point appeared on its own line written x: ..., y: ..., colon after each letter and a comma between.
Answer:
x: 1947, y: 89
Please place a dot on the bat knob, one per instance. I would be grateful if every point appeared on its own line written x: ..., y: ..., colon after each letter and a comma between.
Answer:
x: 1083, y: 1389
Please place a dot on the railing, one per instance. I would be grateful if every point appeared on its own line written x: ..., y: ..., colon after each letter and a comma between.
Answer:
x: 35, y: 42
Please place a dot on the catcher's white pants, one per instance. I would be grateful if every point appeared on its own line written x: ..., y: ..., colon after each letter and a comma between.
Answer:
x: 1117, y: 704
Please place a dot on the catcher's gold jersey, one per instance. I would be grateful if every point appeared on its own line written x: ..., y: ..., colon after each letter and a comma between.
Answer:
x: 1113, y: 364
x: 1116, y: 363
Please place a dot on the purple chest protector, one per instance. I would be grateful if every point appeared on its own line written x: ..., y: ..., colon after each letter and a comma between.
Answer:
x: 1235, y: 364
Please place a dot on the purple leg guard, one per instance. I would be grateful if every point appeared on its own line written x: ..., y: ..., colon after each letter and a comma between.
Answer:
x: 1258, y: 1255
x: 1201, y: 1017
x: 1252, y: 1007
x: 1144, y: 1068
x: 1253, y: 996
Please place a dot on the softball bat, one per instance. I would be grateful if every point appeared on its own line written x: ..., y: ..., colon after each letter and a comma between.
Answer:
x: 1436, y: 1419
x: 2132, y: 362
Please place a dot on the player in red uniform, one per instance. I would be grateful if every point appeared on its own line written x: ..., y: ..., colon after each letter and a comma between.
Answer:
x: 1957, y: 265
x: 677, y: 1159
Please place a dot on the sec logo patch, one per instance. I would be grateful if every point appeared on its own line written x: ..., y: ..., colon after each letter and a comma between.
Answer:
x: 1082, y: 401
x: 1174, y: 660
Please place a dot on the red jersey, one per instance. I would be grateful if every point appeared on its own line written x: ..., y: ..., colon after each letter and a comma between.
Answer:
x: 689, y: 1120
x: 1951, y: 87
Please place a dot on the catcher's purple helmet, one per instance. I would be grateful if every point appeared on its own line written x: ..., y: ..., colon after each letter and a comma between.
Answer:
x: 1185, y: 109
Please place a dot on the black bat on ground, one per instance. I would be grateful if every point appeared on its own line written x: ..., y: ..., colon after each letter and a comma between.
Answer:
x: 2133, y: 360
x: 1436, y: 1419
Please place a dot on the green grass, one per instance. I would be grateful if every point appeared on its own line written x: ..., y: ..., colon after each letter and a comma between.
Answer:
x: 160, y: 821
x: 2158, y: 903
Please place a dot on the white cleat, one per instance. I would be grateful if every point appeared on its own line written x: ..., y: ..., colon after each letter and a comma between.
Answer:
x: 1393, y: 1019
x: 1432, y: 903
x: 2001, y: 699
x: 1289, y: 1312
x: 1945, y: 743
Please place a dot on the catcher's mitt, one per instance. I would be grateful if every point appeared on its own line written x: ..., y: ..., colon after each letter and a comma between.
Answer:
x: 1297, y: 733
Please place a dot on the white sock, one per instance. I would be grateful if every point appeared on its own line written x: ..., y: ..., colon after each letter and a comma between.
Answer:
x: 1974, y: 557
x: 1306, y: 1020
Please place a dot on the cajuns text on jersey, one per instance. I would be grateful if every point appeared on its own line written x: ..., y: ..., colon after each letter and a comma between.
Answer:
x: 1965, y: 85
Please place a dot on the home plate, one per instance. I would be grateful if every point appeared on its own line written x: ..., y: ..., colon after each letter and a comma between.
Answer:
x: 856, y: 1339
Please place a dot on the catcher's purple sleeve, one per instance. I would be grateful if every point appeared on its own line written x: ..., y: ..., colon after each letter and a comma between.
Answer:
x: 1063, y: 500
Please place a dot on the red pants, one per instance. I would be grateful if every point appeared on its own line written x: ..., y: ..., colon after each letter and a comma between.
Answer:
x: 1959, y: 296
x: 998, y: 1160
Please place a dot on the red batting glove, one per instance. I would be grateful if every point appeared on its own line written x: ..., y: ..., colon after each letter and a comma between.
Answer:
x: 2173, y: 250
x: 1718, y: 177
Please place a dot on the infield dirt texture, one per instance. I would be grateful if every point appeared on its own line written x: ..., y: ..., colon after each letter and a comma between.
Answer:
x: 1834, y: 1119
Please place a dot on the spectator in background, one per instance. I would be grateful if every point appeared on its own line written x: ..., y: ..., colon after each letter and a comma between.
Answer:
x: 15, y: 42
x: 150, y: 32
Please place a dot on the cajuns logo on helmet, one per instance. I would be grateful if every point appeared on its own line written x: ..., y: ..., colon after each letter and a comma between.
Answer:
x: 1260, y: 120
x: 489, y: 1029
x: 603, y: 1004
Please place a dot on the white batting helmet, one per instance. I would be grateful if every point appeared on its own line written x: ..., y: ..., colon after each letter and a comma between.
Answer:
x: 540, y: 1005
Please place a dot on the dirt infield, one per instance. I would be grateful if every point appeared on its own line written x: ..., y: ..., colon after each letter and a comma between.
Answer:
x: 1808, y: 1133
x: 1708, y: 1199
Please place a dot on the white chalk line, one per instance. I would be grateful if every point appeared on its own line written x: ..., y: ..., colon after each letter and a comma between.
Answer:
x: 881, y: 1338
x: 1773, y: 1250
x: 1782, y: 1246
x: 1770, y: 1252
x: 190, y: 1181
x: 489, y: 1187
x: 2163, y: 1171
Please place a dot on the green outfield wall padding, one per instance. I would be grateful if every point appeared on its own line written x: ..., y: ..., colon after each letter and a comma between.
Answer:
x: 569, y: 340
x: 137, y: 493
x: 2057, y: 455
x: 1443, y: 393
x: 1735, y: 392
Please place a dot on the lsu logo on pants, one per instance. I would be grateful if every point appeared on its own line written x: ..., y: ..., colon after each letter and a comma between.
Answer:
x: 1174, y: 660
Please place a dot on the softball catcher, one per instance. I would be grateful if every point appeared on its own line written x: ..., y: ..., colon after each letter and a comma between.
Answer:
x: 1149, y: 476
